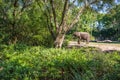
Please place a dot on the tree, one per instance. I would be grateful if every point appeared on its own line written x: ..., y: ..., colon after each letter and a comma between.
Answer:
x: 61, y: 15
x: 111, y: 22
x: 12, y: 12
x: 21, y: 21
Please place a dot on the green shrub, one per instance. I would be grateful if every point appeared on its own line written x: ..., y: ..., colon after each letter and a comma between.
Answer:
x: 119, y: 39
x: 65, y: 43
x: 37, y: 63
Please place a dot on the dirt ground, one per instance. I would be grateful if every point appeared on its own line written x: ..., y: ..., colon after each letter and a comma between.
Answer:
x: 102, y: 46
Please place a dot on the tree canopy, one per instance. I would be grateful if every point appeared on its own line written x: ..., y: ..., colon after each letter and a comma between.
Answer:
x: 44, y: 22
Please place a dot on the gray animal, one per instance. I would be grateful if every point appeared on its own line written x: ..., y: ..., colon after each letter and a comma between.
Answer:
x: 82, y: 36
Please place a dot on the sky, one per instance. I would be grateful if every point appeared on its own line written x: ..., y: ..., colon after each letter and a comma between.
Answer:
x: 117, y: 1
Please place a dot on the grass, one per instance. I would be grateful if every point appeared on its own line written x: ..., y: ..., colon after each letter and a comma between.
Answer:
x: 18, y: 62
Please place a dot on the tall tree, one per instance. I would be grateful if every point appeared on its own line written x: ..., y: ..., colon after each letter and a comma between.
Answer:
x: 61, y: 15
x: 111, y: 21
x: 11, y: 13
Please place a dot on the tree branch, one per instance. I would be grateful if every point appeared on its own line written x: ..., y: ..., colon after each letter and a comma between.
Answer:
x: 25, y: 4
x: 49, y: 25
x: 54, y: 13
x: 48, y: 18
x: 76, y: 19
x: 72, y: 3
x: 14, y: 14
x: 64, y: 11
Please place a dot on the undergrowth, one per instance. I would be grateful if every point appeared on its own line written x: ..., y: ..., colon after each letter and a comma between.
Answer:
x: 20, y: 62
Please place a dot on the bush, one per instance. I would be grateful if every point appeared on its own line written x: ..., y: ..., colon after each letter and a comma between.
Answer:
x: 119, y: 39
x: 92, y: 38
x: 65, y: 43
x: 38, y: 63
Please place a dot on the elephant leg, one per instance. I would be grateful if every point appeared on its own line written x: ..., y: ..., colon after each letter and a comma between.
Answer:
x: 87, y: 41
x: 79, y: 41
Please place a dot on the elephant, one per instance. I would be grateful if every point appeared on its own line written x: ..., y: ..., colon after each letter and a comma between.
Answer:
x: 82, y: 36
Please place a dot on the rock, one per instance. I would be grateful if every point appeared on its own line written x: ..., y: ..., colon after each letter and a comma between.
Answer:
x: 107, y: 41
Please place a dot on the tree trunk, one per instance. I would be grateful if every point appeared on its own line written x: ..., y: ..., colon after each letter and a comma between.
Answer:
x: 59, y: 40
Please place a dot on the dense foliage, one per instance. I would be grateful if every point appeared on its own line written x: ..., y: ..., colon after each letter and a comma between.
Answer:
x: 109, y: 24
x: 21, y: 21
x: 38, y: 22
x: 29, y: 27
x: 18, y: 62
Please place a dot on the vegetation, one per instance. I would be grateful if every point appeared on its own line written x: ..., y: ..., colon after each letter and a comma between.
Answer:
x: 31, y: 31
x: 36, y: 63
x: 43, y: 22
x: 110, y: 25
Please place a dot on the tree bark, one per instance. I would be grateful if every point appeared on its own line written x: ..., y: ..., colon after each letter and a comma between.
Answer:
x: 59, y: 40
x: 13, y: 38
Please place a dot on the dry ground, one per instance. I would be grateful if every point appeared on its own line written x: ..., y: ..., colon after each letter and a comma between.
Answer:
x: 102, y: 46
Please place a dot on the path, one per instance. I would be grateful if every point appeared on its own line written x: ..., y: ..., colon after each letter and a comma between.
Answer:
x: 102, y: 46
